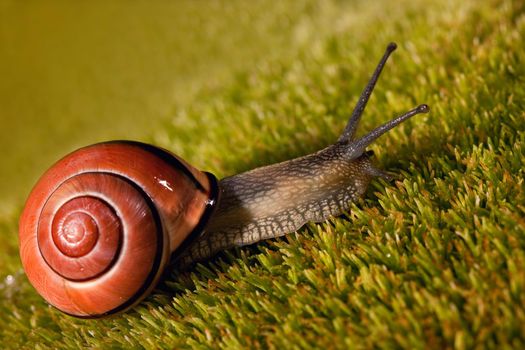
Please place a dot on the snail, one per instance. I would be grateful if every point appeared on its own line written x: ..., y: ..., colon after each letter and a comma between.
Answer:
x: 101, y: 225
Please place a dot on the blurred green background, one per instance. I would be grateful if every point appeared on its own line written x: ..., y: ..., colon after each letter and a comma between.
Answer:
x: 75, y: 73
x: 433, y: 260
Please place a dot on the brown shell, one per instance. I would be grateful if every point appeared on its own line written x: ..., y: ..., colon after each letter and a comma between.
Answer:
x: 100, y: 225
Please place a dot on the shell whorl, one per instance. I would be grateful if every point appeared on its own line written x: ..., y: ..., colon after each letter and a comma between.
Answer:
x: 100, y: 225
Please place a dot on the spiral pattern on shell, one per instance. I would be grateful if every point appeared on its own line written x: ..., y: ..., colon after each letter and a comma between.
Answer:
x: 100, y: 225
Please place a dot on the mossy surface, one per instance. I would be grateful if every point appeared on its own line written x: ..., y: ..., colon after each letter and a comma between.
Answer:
x: 435, y: 259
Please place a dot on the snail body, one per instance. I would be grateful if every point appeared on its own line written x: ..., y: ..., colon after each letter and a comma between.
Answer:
x: 272, y: 201
x: 102, y: 224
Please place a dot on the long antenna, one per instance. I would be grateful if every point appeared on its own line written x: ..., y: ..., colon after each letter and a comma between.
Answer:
x: 364, y: 141
x: 350, y: 128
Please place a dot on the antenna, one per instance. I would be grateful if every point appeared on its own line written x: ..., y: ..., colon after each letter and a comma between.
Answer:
x: 350, y: 128
x: 364, y: 141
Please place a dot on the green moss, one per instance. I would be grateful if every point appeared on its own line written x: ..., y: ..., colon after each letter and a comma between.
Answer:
x: 432, y: 260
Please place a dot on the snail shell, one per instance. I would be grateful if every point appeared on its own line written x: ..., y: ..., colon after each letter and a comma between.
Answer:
x: 101, y: 224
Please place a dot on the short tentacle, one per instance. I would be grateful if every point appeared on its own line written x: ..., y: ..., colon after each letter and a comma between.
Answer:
x: 375, y: 172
